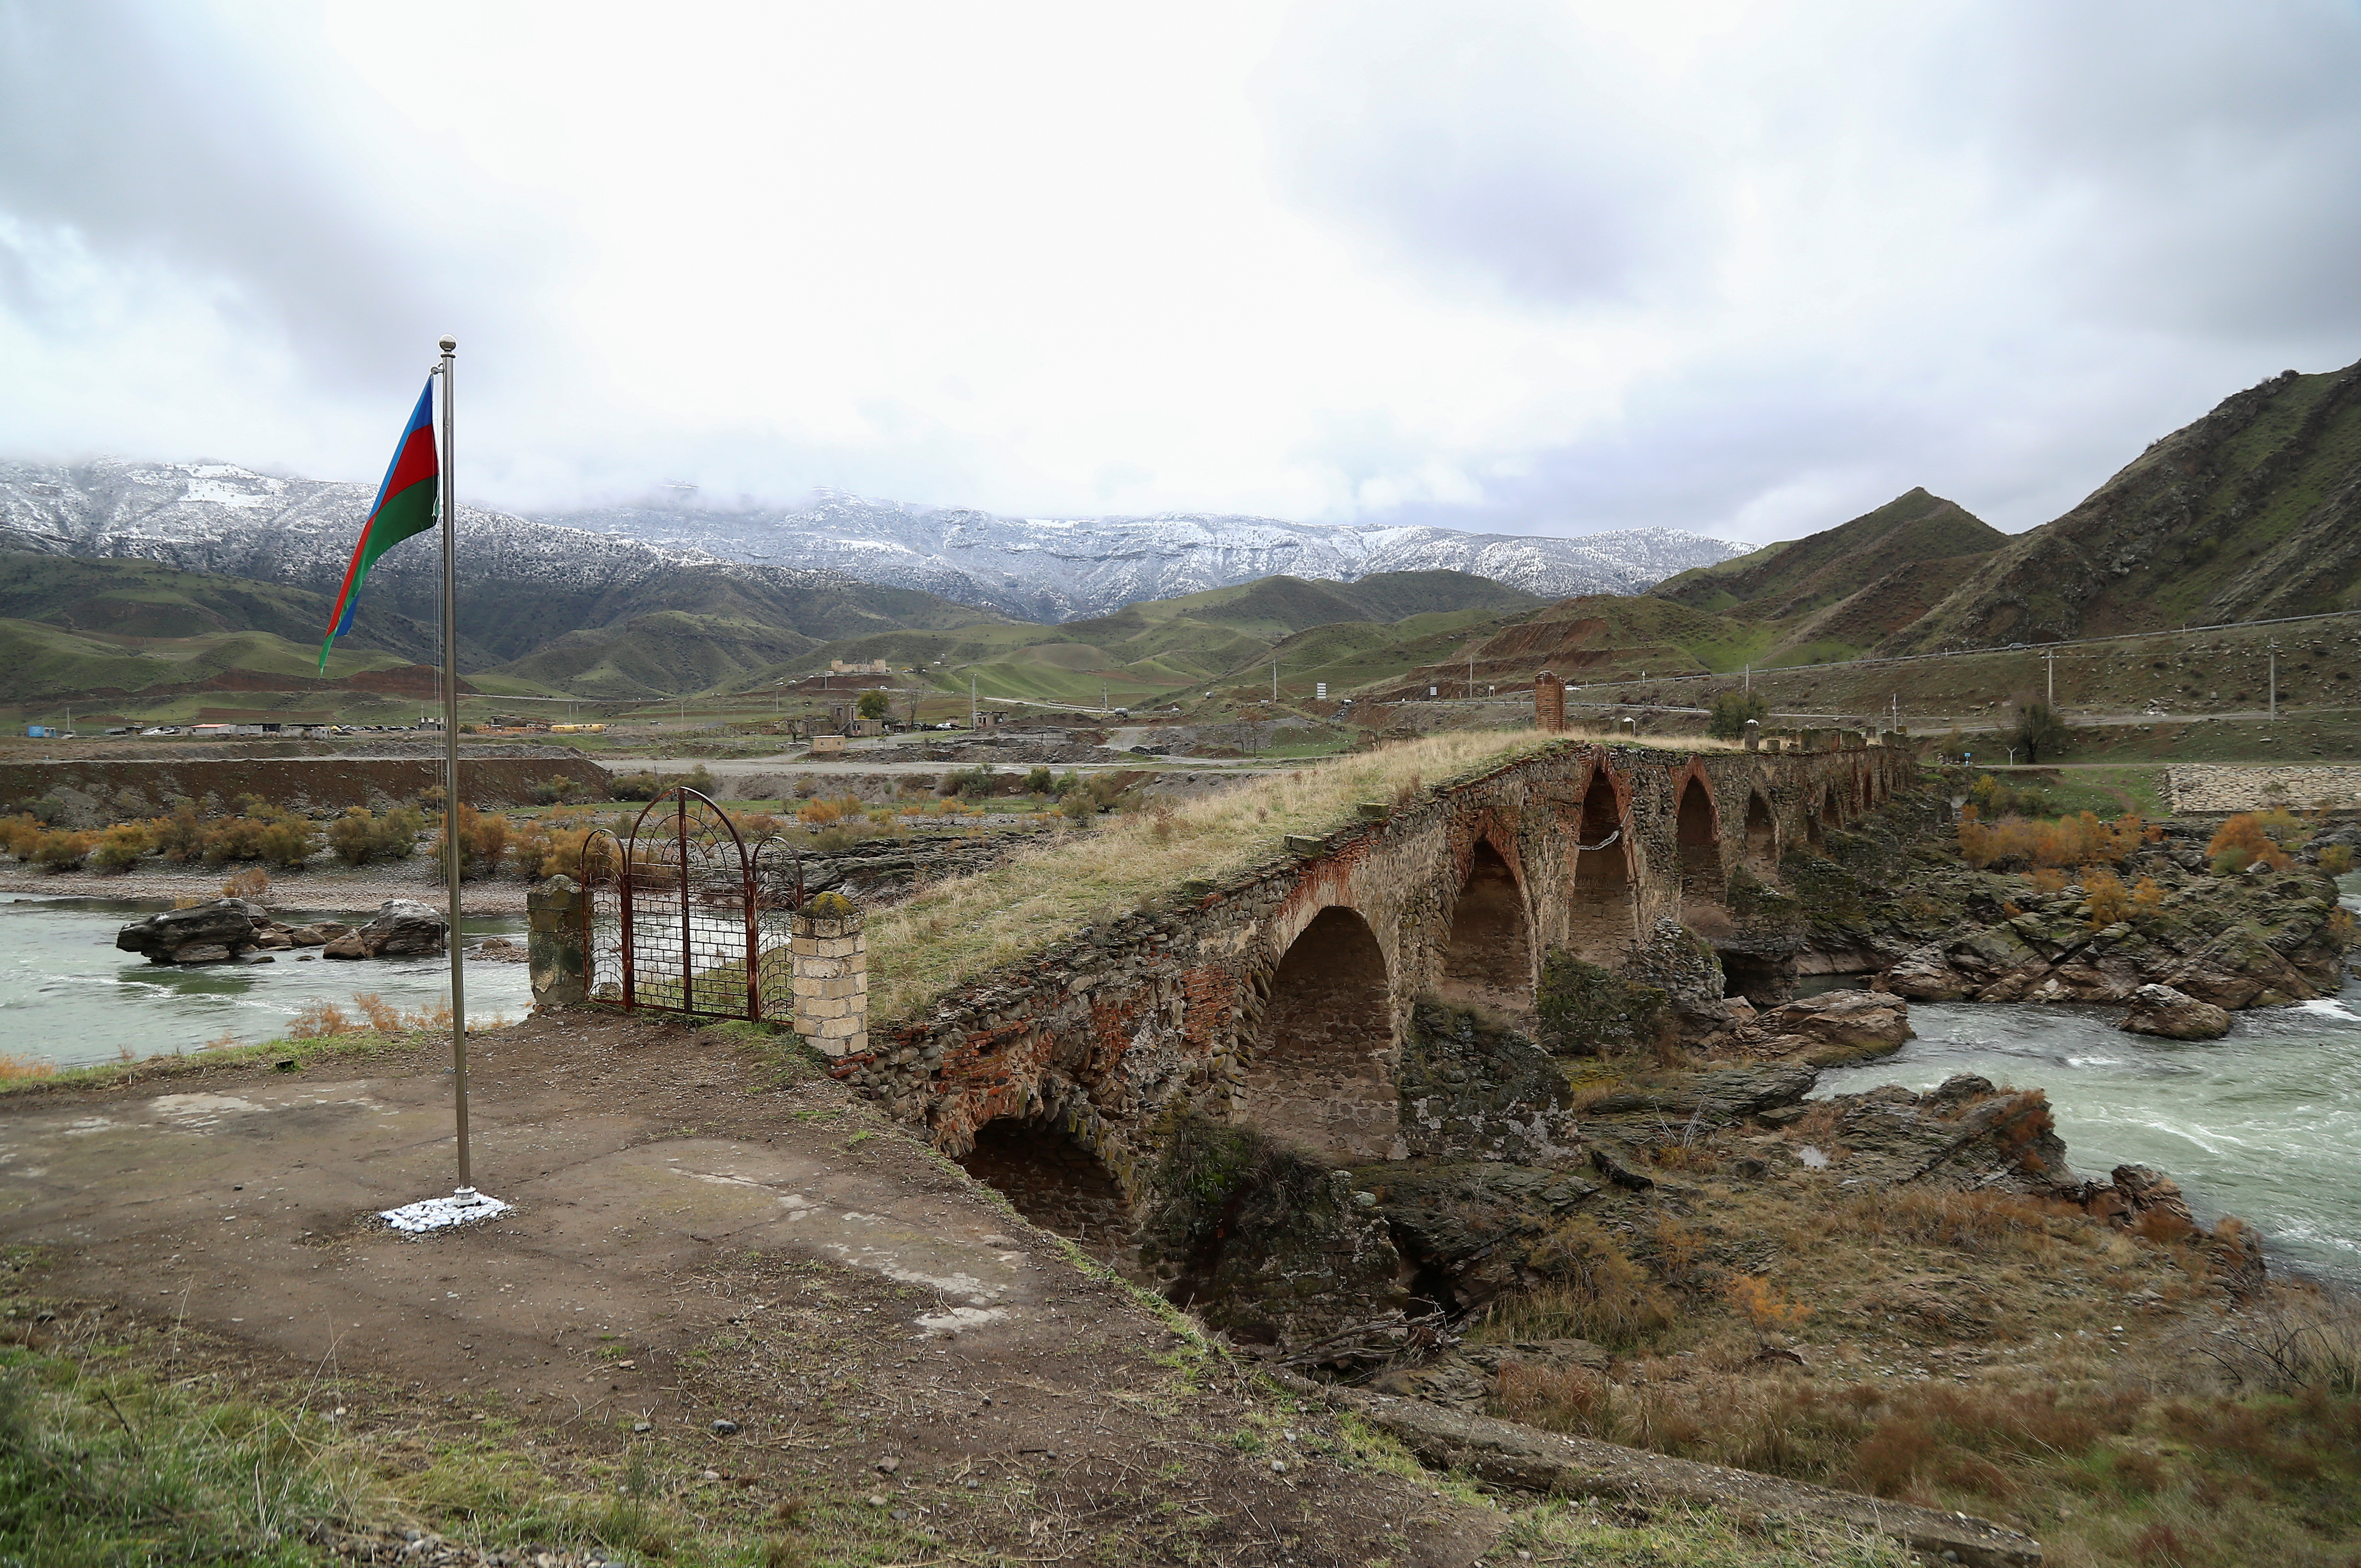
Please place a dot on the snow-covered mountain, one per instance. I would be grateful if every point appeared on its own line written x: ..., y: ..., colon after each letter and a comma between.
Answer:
x: 1058, y: 568
x: 215, y: 516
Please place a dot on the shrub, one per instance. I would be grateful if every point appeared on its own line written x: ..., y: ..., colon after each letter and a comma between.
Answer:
x: 2336, y: 859
x: 318, y: 1019
x: 251, y: 883
x: 550, y: 846
x: 559, y: 789
x: 120, y: 847
x: 975, y: 781
x: 821, y: 813
x: 181, y: 838
x: 2109, y: 899
x: 2080, y: 840
x: 874, y: 705
x: 1732, y: 710
x: 1039, y: 781
x: 641, y: 785
x: 61, y: 849
x: 2244, y: 840
x: 360, y: 836
x: 2147, y: 896
x: 18, y: 835
x: 288, y: 841
x: 2039, y: 730
x: 483, y: 843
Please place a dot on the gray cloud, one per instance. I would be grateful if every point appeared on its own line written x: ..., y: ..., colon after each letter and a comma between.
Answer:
x: 153, y: 134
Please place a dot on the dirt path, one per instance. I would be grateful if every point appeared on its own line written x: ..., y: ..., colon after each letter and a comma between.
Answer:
x: 693, y: 1243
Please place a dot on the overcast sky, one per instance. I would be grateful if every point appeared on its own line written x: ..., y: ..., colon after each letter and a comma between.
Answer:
x: 1745, y: 270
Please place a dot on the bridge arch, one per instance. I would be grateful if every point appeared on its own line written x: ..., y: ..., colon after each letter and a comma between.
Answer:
x: 1317, y: 1071
x: 1832, y: 809
x: 1599, y: 923
x: 1056, y: 1182
x: 1697, y: 831
x: 1488, y: 956
x: 1762, y: 834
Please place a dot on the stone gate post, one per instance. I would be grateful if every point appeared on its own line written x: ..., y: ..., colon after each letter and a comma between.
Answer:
x: 554, y: 942
x: 830, y: 954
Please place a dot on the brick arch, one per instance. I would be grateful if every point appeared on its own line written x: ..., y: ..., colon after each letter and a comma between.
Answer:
x: 1316, y: 1058
x: 1696, y: 834
x: 1762, y: 849
x: 1599, y: 919
x: 1487, y: 954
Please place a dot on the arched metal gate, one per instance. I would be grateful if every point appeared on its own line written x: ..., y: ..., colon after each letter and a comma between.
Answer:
x: 681, y: 916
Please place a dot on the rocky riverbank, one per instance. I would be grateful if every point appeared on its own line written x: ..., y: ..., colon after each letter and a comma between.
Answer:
x: 233, y: 930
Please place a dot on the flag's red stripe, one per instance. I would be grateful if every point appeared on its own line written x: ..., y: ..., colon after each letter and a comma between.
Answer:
x: 415, y: 461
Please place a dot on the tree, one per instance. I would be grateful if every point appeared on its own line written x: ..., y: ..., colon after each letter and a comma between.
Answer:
x: 2039, y: 730
x: 873, y: 703
x: 1731, y: 710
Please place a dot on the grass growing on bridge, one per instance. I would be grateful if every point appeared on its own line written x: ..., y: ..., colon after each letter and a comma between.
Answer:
x: 964, y: 928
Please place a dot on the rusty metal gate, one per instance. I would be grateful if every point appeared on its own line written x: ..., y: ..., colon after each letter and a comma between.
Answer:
x: 681, y: 916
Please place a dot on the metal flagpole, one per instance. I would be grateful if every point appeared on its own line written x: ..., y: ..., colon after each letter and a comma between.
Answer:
x: 455, y: 855
x: 466, y: 1204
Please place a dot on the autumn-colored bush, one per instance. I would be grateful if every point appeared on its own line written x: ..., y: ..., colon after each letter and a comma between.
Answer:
x: 2244, y: 840
x: 120, y: 847
x: 2110, y: 900
x: 2336, y: 859
x: 1760, y: 1305
x: 822, y: 812
x: 2080, y: 840
x: 2147, y: 896
x: 2047, y: 879
x: 251, y: 883
x: 63, y: 850
x: 320, y: 1018
x: 1596, y: 1291
x: 360, y: 836
x: 18, y: 835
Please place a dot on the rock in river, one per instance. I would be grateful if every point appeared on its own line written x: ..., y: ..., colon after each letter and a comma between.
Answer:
x: 2175, y: 1014
x: 203, y: 933
x: 401, y: 928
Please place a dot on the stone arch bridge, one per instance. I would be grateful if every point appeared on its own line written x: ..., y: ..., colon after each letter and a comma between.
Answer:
x: 1283, y: 996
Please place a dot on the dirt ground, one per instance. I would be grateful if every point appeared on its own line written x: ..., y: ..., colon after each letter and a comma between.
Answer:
x: 699, y: 1237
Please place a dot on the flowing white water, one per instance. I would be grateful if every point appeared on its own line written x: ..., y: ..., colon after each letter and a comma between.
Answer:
x: 2264, y: 1123
x: 68, y: 996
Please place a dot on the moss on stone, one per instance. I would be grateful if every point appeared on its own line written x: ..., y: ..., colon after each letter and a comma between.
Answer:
x: 1584, y: 1010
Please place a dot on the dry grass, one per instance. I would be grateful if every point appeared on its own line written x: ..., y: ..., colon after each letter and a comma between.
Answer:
x: 962, y: 929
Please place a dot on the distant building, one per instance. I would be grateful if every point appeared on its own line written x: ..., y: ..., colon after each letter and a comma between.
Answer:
x: 42, y: 732
x: 864, y: 667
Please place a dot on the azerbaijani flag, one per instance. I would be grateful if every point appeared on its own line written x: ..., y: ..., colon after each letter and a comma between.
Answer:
x: 406, y: 504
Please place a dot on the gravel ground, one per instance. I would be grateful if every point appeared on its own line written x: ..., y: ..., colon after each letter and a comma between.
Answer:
x: 337, y: 891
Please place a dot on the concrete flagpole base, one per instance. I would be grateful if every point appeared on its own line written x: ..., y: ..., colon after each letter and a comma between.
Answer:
x: 464, y: 1207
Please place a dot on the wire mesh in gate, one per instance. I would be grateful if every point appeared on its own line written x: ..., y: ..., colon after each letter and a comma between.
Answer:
x: 680, y: 917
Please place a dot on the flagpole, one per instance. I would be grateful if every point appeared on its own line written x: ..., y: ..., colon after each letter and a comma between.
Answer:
x: 455, y: 854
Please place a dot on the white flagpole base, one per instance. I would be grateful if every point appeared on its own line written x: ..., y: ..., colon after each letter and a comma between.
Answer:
x: 464, y: 1207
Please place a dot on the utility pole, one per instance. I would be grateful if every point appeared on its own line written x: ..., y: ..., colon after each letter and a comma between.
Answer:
x: 2275, y: 680
x: 1749, y: 678
x: 1274, y: 681
x: 2052, y: 658
x: 1471, y: 670
x: 971, y: 699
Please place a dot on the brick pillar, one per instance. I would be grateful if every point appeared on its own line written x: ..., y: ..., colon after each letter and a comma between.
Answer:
x: 830, y: 958
x: 554, y: 942
x: 1549, y: 704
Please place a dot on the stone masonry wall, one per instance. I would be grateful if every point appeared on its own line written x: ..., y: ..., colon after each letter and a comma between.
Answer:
x: 1111, y: 1030
x: 2194, y: 788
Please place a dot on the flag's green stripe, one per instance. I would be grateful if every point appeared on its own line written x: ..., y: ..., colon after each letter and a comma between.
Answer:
x: 404, y: 513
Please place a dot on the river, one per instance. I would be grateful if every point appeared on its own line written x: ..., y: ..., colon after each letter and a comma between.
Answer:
x: 68, y: 996
x: 2264, y: 1123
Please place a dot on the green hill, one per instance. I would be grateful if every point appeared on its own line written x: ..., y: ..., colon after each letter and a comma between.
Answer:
x: 1154, y: 652
x: 2252, y: 512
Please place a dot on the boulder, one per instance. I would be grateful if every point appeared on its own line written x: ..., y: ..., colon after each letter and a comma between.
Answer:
x: 347, y: 946
x: 308, y: 936
x: 226, y: 922
x: 2174, y: 1014
x: 403, y: 929
x: 1850, y: 1021
x: 1924, y: 974
x: 201, y: 953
